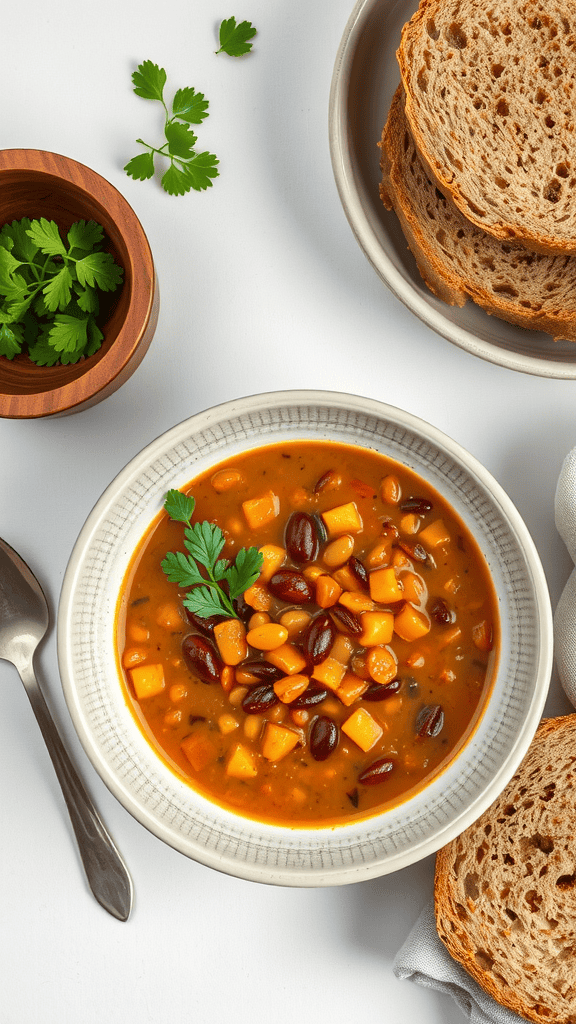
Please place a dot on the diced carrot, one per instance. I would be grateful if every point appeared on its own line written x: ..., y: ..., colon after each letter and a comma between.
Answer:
x: 147, y: 680
x: 199, y: 749
x: 342, y: 519
x: 378, y: 628
x: 327, y: 591
x: 230, y: 637
x: 346, y: 579
x: 329, y: 672
x: 262, y: 510
x: 384, y: 586
x: 351, y: 688
x: 482, y: 636
x: 411, y: 624
x: 287, y: 658
x: 273, y: 556
x: 435, y: 534
x: 278, y: 741
x: 382, y: 665
x: 356, y: 602
x: 241, y: 763
x: 363, y: 729
x: 290, y: 687
x: 258, y: 597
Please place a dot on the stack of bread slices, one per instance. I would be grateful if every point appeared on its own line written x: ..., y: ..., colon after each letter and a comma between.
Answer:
x: 479, y: 156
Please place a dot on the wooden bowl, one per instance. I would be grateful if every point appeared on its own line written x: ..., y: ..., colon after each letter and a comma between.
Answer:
x: 36, y: 184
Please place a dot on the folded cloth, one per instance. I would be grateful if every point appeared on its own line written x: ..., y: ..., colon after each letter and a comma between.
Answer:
x: 424, y: 959
x: 565, y: 614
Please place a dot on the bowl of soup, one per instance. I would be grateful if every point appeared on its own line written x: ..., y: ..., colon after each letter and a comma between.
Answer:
x: 305, y: 638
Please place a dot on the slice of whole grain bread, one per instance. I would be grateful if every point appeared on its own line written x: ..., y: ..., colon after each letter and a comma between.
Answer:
x: 491, y: 104
x: 505, y: 890
x: 459, y: 260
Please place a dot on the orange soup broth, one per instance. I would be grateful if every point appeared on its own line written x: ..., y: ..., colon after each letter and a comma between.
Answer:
x: 451, y: 667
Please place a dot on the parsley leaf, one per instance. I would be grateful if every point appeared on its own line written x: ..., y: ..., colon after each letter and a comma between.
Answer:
x: 48, y: 289
x: 234, y: 38
x: 202, y: 568
x: 187, y: 169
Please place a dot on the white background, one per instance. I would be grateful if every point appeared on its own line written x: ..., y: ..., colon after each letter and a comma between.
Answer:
x: 263, y: 288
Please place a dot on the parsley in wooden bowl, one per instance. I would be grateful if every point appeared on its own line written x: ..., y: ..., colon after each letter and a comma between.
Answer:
x: 78, y: 289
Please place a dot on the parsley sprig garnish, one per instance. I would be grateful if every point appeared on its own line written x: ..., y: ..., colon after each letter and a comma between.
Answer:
x: 204, y: 542
x: 233, y: 38
x: 188, y: 169
x: 49, y: 289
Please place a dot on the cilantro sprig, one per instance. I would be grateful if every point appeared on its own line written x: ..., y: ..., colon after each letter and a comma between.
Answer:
x: 49, y: 289
x: 233, y: 38
x: 202, y: 569
x: 188, y: 169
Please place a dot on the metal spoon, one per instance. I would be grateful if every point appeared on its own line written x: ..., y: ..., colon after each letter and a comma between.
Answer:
x: 24, y: 620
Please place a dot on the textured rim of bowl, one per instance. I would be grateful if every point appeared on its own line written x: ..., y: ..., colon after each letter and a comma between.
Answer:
x: 281, y: 874
x: 351, y: 199
x: 98, y: 377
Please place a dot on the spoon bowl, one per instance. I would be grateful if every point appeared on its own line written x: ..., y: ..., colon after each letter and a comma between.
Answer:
x: 24, y: 621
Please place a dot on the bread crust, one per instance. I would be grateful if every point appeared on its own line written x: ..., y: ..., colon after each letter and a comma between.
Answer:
x: 491, y: 104
x: 458, y: 260
x: 505, y: 890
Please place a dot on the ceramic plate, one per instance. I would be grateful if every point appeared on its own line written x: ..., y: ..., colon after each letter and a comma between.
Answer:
x: 365, y: 78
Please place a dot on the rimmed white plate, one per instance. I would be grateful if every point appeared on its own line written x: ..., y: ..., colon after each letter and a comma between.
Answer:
x: 365, y: 78
x: 183, y: 818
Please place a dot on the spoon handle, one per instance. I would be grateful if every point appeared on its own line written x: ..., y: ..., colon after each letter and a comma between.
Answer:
x: 105, y: 870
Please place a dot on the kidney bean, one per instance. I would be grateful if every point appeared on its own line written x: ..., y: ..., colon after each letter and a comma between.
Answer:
x: 291, y: 586
x: 201, y: 657
x: 345, y: 620
x: 380, y: 691
x: 324, y: 736
x: 301, y: 538
x: 414, y: 551
x: 321, y: 531
x: 318, y: 638
x: 261, y: 698
x: 441, y: 613
x: 205, y: 626
x: 420, y: 506
x: 429, y: 721
x: 358, y: 571
x: 312, y: 695
x: 262, y: 670
x: 376, y: 772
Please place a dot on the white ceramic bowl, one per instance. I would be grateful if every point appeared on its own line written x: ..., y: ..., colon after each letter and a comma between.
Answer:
x: 176, y: 813
x: 365, y: 78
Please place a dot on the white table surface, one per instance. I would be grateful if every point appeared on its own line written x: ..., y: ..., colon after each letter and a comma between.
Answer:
x: 263, y: 288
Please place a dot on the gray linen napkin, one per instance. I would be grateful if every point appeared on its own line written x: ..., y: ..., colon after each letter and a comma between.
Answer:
x: 424, y: 959
x: 565, y: 615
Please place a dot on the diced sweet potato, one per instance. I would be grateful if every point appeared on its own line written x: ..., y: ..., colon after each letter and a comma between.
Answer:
x: 290, y: 687
x: 287, y: 658
x: 329, y: 672
x: 434, y: 535
x: 351, y: 688
x: 327, y: 591
x: 230, y: 637
x: 411, y: 624
x: 241, y: 763
x: 382, y: 665
x: 147, y: 680
x: 378, y: 628
x: 199, y: 749
x: 384, y: 585
x: 342, y: 519
x: 273, y: 556
x: 262, y: 510
x: 363, y: 729
x: 278, y: 741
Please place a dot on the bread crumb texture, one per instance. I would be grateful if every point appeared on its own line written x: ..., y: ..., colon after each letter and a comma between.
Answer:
x: 459, y: 260
x: 505, y: 890
x: 491, y: 103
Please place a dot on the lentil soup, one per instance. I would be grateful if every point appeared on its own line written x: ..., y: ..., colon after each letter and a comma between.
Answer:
x: 360, y: 661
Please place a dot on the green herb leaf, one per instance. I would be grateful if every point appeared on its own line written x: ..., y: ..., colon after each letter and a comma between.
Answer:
x: 85, y: 235
x: 234, y: 38
x: 201, y: 169
x: 46, y: 236
x: 21, y: 245
x: 149, y: 81
x: 87, y: 299
x: 99, y: 268
x: 205, y: 542
x: 175, y: 181
x: 244, y: 572
x: 95, y: 337
x: 179, y: 506
x: 57, y: 290
x: 42, y: 352
x: 190, y: 106
x: 141, y: 167
x: 68, y: 334
x: 180, y: 140
x: 10, y: 340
